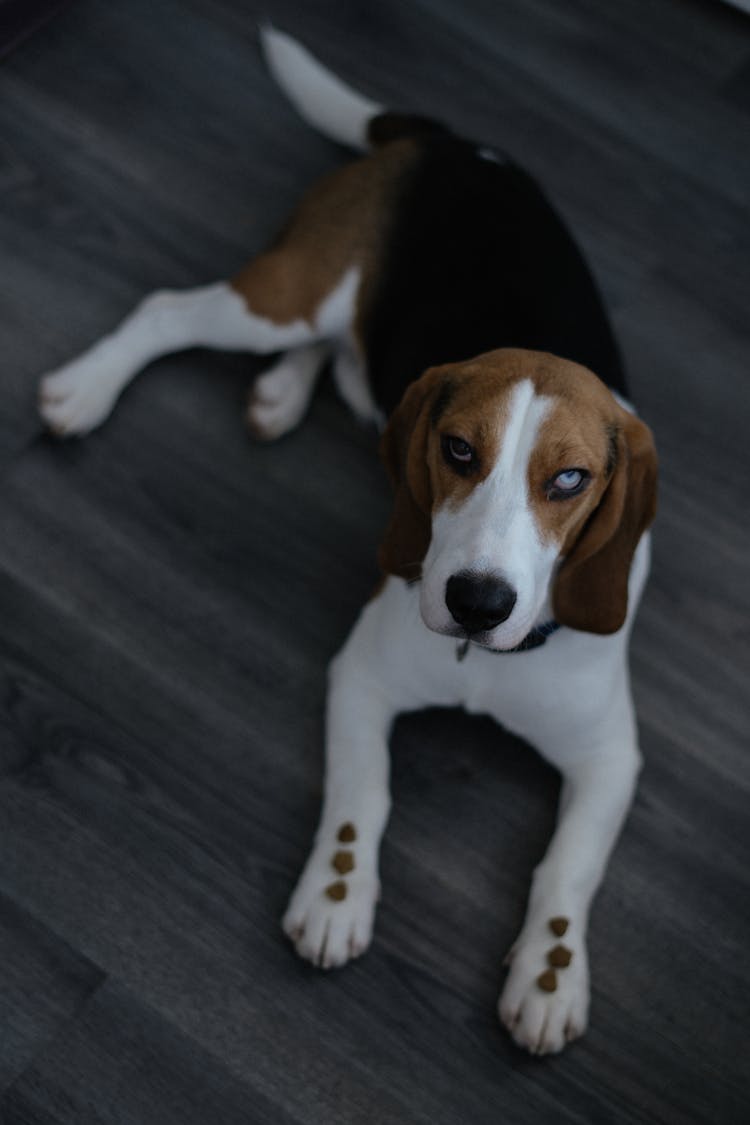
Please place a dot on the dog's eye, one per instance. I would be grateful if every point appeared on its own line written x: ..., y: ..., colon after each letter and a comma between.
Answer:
x: 567, y: 483
x: 457, y: 452
x: 568, y: 480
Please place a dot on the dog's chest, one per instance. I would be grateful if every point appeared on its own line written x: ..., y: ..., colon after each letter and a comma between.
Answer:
x: 559, y: 696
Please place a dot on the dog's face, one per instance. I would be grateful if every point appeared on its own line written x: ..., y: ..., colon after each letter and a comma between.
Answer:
x: 518, y: 478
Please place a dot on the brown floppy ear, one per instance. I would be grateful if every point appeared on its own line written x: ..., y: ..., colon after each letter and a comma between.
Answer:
x: 591, y: 590
x: 403, y: 448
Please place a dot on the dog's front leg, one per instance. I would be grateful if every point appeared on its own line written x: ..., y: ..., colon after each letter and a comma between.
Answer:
x: 331, y: 913
x: 544, y: 1003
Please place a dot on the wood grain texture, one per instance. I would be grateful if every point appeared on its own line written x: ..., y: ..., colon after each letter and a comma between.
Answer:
x: 170, y: 593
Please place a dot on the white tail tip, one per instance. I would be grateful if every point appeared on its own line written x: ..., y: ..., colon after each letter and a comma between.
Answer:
x: 322, y: 99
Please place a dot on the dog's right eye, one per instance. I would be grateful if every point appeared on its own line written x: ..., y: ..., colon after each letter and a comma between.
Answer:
x: 458, y: 453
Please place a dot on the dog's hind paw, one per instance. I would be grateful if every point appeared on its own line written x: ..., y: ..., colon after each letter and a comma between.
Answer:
x: 76, y: 399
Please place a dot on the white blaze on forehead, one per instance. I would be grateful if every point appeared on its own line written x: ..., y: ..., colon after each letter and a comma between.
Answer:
x: 506, y: 483
x: 526, y: 412
x: 494, y: 529
x: 503, y: 535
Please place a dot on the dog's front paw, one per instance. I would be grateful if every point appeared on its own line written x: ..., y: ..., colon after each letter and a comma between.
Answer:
x: 545, y: 1001
x: 331, y: 913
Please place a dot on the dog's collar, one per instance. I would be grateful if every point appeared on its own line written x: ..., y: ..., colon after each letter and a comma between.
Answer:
x: 535, y: 639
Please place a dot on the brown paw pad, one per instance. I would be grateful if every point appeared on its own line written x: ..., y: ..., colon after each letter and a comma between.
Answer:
x: 559, y: 957
x: 558, y: 926
x: 343, y: 862
x: 337, y: 890
x: 547, y: 981
x: 347, y: 833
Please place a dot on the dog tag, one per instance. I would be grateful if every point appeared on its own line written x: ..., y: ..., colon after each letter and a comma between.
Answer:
x: 461, y: 649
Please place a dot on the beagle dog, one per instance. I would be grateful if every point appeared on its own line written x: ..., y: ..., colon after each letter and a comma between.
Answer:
x: 451, y: 300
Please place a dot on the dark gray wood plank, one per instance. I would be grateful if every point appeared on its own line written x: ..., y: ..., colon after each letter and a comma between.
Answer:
x: 20, y: 18
x: 45, y: 982
x: 146, y: 1071
x: 170, y: 593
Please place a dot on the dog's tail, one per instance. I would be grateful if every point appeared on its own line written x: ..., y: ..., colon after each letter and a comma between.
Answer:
x: 322, y: 99
x: 327, y: 103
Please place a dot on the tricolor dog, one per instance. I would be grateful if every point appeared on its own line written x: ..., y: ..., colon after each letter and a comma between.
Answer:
x: 449, y: 298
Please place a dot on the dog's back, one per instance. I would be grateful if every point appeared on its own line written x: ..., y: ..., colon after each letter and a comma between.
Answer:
x: 428, y: 249
x: 473, y: 256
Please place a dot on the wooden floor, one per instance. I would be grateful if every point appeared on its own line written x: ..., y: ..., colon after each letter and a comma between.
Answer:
x: 170, y: 593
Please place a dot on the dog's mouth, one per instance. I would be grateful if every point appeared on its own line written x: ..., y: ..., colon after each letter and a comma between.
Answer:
x: 484, y: 639
x: 535, y: 638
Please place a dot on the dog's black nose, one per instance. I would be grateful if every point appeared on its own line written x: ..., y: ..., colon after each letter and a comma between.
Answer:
x: 478, y: 602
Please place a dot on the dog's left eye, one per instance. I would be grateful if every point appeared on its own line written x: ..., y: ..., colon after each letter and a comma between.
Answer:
x: 567, y: 483
x: 568, y: 480
x: 458, y: 452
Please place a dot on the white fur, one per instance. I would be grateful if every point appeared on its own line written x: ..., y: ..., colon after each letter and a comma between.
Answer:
x: 350, y: 377
x: 320, y: 98
x: 494, y: 531
x: 570, y: 698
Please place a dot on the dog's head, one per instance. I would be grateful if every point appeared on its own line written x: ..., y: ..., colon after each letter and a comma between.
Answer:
x: 518, y: 477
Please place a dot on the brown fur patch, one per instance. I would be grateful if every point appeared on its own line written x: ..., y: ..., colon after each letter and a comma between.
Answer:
x: 591, y: 590
x: 340, y: 223
x: 480, y: 426
x: 460, y: 400
x: 558, y: 926
x: 575, y: 434
x: 337, y: 891
x: 347, y: 833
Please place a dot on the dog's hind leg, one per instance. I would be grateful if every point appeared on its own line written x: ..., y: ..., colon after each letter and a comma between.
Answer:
x: 79, y: 396
x: 301, y: 292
